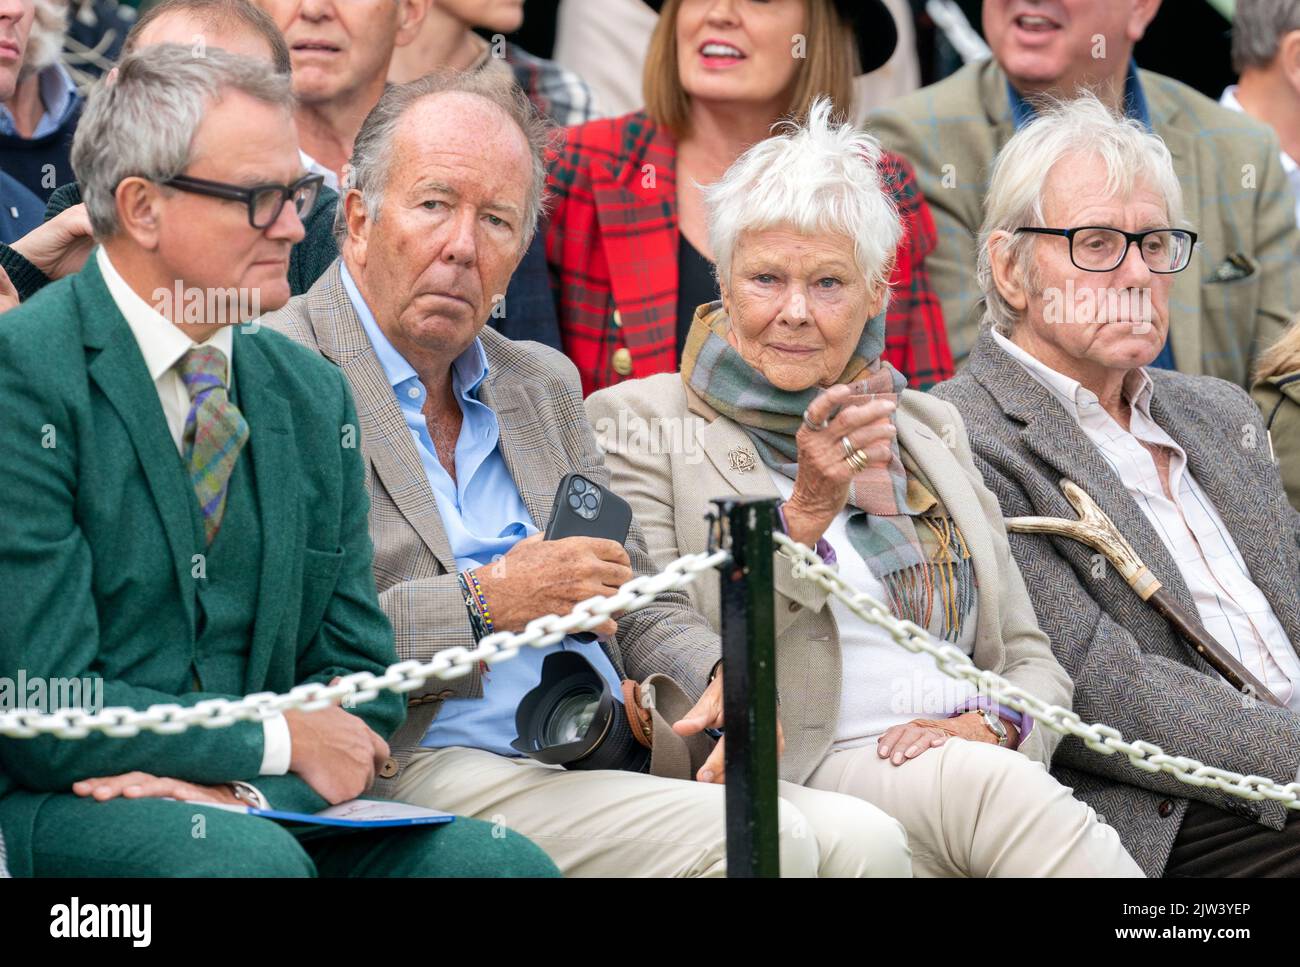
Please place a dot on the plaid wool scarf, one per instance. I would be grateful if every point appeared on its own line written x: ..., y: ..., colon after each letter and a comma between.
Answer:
x: 904, y: 535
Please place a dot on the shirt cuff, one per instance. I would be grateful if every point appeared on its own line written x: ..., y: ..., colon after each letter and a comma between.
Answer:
x: 277, y: 746
x: 1024, y: 723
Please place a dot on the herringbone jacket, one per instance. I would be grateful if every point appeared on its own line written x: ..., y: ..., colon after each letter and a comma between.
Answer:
x: 537, y: 398
x: 1130, y: 669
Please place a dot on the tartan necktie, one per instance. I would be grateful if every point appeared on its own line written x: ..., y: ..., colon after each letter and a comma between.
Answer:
x: 215, y: 432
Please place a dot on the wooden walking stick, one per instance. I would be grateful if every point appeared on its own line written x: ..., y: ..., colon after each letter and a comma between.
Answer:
x: 1099, y: 532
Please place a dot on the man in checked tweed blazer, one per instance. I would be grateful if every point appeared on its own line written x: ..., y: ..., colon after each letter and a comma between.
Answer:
x: 1181, y: 464
x: 1240, y: 292
x: 467, y: 436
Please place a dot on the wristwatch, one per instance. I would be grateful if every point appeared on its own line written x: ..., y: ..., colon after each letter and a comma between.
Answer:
x: 248, y: 794
x: 995, y: 725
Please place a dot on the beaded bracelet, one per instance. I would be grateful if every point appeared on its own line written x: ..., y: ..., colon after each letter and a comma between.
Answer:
x: 480, y: 626
x: 483, y: 608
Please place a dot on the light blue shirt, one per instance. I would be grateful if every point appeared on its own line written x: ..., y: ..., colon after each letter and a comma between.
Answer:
x: 483, y: 516
x: 58, y: 94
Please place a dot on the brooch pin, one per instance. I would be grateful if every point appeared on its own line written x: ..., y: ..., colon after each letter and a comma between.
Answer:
x: 742, y: 459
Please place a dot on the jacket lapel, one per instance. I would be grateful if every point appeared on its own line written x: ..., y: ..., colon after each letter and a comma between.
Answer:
x: 522, y: 444
x: 275, y: 475
x: 997, y: 104
x: 637, y: 212
x: 951, y: 485
x: 1051, y: 435
x: 1220, y: 467
x: 730, y: 450
x: 384, y: 434
x: 118, y: 369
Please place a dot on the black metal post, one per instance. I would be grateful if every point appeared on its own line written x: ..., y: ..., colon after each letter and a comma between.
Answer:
x: 749, y: 687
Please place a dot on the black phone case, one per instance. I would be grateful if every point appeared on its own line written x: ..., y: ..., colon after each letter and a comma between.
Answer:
x: 612, y: 516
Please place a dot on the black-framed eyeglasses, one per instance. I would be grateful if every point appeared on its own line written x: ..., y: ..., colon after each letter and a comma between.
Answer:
x: 265, y: 202
x: 1099, y: 248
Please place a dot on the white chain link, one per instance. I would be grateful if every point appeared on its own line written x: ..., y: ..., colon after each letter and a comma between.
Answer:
x: 76, y: 723
x: 957, y: 664
x: 450, y: 663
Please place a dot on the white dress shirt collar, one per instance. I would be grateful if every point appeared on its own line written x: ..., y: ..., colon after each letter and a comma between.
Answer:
x: 314, y: 167
x: 161, y: 343
x: 1080, y: 402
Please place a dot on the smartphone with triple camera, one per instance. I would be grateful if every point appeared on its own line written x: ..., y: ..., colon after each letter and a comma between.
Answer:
x: 583, y: 508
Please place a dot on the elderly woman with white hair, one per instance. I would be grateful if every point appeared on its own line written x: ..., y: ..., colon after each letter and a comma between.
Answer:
x: 1082, y: 238
x: 783, y: 393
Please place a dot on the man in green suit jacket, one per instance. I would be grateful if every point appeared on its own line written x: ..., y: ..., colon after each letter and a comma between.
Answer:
x: 184, y: 514
x: 1241, y: 289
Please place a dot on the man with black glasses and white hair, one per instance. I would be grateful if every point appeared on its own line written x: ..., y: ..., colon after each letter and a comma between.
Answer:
x: 1083, y: 236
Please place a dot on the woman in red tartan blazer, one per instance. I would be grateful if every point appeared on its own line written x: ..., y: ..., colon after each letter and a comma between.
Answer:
x: 613, y: 239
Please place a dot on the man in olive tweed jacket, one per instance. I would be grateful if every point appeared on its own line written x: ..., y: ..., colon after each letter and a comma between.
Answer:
x: 1130, y: 669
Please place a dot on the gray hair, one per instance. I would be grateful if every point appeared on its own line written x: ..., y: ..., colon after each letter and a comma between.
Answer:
x: 45, y: 42
x: 371, y: 165
x: 143, y: 123
x: 819, y: 177
x: 1257, y: 29
x: 1083, y: 126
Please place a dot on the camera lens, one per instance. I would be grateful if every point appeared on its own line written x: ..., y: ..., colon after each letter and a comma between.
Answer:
x: 574, y: 719
x: 571, y: 717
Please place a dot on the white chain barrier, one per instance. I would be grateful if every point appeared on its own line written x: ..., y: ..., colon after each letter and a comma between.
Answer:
x: 406, y: 676
x: 957, y: 664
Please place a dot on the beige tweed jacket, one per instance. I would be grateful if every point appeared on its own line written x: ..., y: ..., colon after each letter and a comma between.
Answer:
x: 670, y: 488
x: 537, y: 397
x: 1241, y: 289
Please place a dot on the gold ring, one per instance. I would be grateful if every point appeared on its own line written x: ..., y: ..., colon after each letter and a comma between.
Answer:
x: 854, y: 457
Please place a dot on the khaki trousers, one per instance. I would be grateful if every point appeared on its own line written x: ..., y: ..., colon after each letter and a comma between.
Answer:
x: 974, y: 809
x: 611, y: 823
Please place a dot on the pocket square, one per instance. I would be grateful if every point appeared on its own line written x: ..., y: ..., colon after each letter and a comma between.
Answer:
x: 1236, y: 266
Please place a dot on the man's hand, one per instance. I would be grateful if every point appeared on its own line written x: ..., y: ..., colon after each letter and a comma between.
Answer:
x: 141, y: 785
x: 538, y: 577
x: 707, y: 714
x: 60, y: 246
x: 334, y: 752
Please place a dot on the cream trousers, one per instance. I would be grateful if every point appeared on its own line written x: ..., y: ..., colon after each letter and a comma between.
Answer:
x: 974, y: 809
x: 610, y: 823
